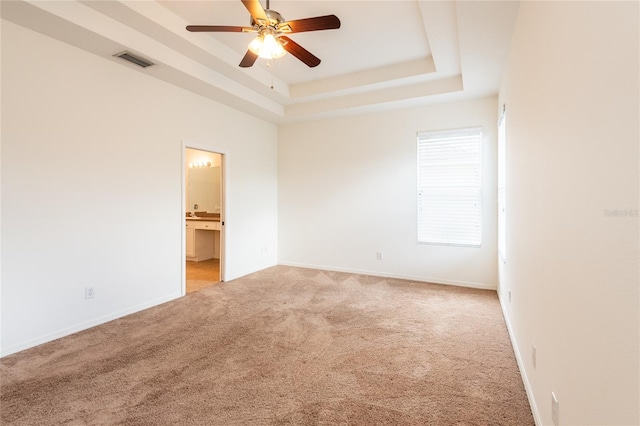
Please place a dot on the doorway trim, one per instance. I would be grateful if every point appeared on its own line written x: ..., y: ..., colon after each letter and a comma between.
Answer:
x: 183, y: 200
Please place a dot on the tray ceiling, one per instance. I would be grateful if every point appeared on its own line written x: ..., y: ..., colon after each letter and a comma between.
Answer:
x: 387, y: 54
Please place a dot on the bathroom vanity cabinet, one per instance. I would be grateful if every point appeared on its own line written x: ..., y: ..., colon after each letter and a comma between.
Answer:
x: 202, y: 239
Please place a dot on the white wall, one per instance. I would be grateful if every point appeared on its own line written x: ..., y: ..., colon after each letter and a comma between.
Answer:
x: 92, y: 192
x: 572, y: 154
x: 347, y: 188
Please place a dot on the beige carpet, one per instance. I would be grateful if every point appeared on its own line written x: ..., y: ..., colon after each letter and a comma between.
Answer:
x: 281, y: 346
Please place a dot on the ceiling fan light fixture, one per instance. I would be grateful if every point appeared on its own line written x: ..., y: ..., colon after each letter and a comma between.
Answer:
x: 256, y: 44
x: 266, y: 46
x: 271, y: 42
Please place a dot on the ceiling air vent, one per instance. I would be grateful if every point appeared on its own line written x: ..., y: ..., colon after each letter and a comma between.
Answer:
x: 138, y: 60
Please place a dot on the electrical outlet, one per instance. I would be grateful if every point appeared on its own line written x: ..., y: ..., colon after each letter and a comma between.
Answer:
x: 533, y: 355
x: 509, y: 296
x: 263, y: 251
x: 379, y: 255
x: 555, y: 406
x: 89, y: 292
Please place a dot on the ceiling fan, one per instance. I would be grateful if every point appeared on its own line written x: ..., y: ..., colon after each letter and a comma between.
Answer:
x: 271, y: 41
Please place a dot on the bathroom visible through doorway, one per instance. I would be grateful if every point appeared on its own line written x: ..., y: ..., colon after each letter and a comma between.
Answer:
x: 203, y: 218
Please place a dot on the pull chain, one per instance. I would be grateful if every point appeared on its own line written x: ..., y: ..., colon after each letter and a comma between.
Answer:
x: 270, y: 66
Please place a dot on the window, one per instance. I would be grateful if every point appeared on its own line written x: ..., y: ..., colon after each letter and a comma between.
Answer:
x: 502, y: 174
x: 450, y: 187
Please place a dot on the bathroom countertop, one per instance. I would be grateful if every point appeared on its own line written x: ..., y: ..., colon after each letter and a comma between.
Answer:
x: 204, y: 219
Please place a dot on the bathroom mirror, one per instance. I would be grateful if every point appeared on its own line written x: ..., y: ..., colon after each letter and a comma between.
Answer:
x: 203, y: 193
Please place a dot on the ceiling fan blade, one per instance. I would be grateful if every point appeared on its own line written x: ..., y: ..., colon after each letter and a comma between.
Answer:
x: 256, y: 10
x: 299, y: 52
x: 328, y: 22
x: 219, y: 29
x: 248, y: 60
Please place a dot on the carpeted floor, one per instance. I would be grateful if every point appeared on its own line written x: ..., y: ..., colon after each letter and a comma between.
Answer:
x: 281, y: 346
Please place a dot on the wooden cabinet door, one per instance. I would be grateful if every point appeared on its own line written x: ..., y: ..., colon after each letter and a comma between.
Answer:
x: 191, y: 242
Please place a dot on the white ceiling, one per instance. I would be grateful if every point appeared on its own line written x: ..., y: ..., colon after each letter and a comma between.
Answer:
x: 387, y: 54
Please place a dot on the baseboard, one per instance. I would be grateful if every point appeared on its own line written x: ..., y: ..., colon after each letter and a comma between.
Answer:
x: 518, y: 354
x: 85, y: 325
x: 469, y: 284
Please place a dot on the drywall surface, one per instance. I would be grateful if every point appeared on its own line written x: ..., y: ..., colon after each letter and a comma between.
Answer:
x: 571, y: 93
x: 92, y: 169
x: 347, y: 189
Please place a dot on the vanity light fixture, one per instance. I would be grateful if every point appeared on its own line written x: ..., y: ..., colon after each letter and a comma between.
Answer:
x: 200, y: 164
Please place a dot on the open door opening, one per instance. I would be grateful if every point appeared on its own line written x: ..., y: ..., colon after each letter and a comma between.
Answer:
x: 204, y: 214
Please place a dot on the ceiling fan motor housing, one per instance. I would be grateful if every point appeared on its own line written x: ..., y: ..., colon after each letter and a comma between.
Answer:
x: 275, y: 19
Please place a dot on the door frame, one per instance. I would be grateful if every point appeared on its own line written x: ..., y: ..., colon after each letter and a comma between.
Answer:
x: 183, y: 200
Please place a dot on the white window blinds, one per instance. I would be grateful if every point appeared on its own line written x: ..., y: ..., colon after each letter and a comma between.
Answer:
x: 450, y: 187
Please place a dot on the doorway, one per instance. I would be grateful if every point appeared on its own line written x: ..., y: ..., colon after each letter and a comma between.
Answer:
x: 203, y: 215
